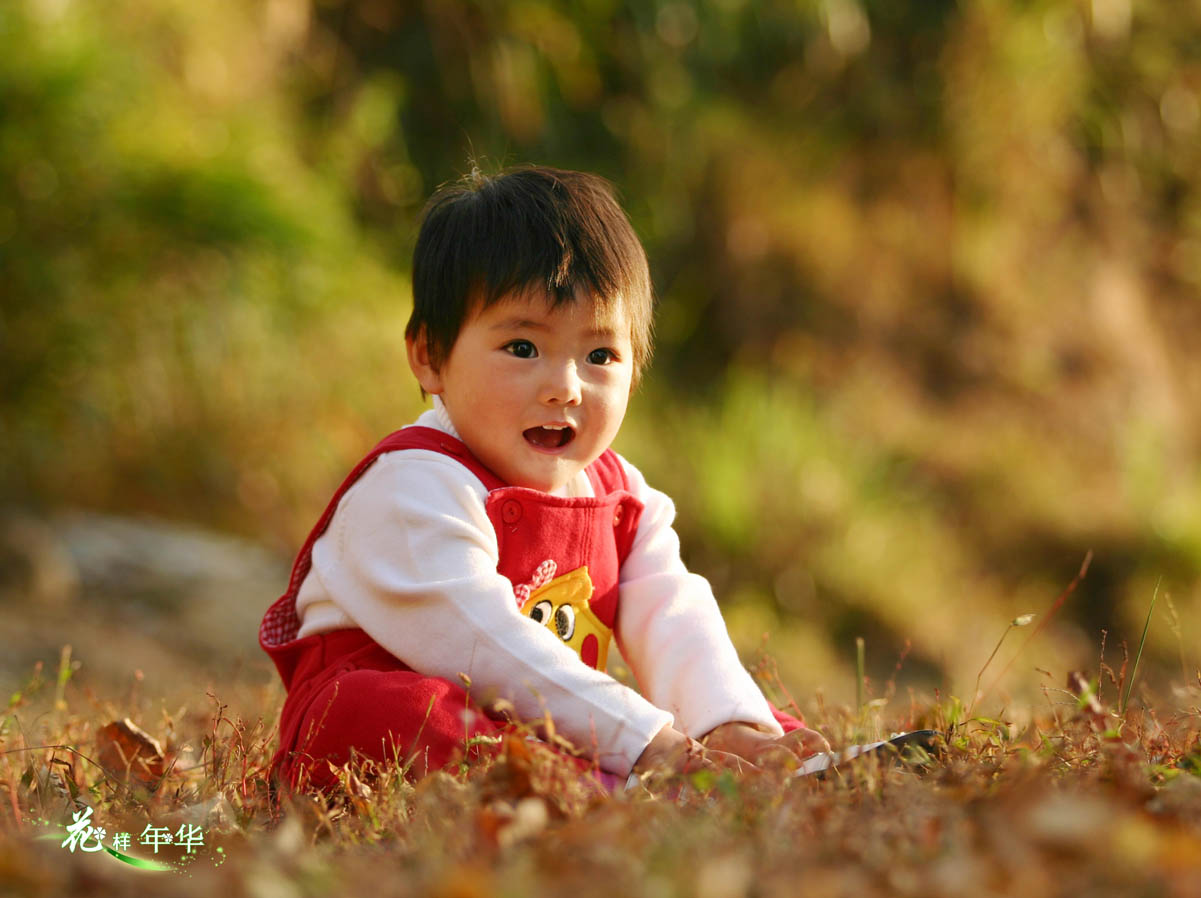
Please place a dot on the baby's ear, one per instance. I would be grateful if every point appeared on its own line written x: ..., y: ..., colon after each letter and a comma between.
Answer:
x: 421, y: 363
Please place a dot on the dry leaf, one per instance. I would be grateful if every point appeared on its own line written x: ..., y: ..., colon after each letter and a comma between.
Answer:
x: 130, y: 753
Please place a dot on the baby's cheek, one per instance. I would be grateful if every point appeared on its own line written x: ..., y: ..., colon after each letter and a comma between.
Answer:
x: 614, y: 410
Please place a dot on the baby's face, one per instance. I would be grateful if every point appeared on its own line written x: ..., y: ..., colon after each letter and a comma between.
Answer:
x: 536, y: 393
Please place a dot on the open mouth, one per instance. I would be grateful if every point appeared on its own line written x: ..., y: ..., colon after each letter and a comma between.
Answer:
x: 549, y: 437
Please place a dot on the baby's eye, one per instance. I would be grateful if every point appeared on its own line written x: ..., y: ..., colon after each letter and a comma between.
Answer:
x: 601, y: 356
x: 523, y: 349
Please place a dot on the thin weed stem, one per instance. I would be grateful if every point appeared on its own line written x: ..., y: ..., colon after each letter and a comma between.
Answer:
x: 860, y: 676
x: 1016, y: 622
x: 860, y: 681
x: 1046, y: 618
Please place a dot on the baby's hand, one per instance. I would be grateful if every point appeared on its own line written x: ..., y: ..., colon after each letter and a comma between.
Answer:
x: 763, y: 749
x: 673, y: 752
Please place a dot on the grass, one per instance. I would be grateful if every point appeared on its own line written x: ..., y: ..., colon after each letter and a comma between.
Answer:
x: 1142, y: 641
x: 1063, y: 798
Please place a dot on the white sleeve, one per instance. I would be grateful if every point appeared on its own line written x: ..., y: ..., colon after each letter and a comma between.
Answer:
x: 670, y: 630
x: 410, y: 557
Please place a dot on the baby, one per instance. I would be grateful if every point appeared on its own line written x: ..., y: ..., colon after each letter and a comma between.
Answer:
x: 474, y: 568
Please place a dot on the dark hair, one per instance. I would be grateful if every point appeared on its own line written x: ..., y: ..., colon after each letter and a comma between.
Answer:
x: 526, y: 228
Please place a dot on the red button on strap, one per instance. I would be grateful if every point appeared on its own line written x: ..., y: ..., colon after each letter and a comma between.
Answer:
x: 510, y: 512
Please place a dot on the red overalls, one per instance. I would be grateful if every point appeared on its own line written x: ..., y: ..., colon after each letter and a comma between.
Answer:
x: 345, y: 692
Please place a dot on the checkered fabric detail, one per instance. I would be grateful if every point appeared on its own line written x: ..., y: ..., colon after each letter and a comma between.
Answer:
x: 280, y: 624
x: 543, y: 575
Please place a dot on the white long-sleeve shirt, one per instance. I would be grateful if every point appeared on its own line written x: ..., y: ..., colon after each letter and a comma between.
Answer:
x: 411, y: 557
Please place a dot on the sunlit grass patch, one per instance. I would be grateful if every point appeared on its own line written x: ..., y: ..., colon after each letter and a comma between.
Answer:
x: 1072, y: 792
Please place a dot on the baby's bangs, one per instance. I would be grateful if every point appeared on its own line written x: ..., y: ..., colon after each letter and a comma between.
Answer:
x: 536, y: 246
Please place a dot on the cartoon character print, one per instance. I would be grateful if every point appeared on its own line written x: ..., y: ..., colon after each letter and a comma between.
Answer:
x: 561, y: 605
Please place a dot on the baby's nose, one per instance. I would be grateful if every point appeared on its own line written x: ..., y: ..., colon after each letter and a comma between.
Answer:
x: 561, y: 385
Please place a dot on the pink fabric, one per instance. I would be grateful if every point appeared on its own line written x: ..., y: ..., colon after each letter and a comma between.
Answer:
x: 786, y: 720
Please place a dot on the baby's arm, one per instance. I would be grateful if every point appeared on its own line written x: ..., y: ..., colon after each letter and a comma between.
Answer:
x: 410, y: 557
x: 671, y: 632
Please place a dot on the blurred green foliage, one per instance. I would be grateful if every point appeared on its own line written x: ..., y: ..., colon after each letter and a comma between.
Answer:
x: 928, y: 279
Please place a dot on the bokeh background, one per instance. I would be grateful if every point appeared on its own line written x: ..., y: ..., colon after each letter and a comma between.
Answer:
x: 929, y: 320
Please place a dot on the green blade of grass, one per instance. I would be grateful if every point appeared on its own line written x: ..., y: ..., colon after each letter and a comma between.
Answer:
x: 1138, y: 654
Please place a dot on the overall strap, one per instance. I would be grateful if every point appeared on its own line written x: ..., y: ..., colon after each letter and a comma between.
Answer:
x: 607, y: 474
x: 436, y: 441
x: 280, y: 624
